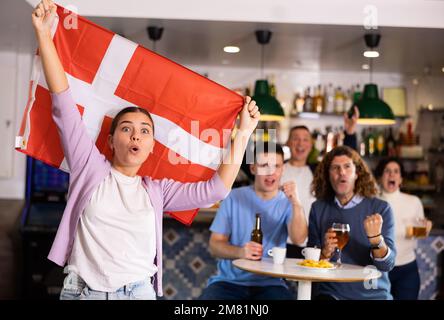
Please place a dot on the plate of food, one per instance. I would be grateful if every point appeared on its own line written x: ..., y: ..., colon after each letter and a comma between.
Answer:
x: 321, y: 265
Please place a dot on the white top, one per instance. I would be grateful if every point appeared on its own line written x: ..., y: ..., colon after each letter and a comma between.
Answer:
x: 292, y: 271
x: 303, y: 177
x: 406, y: 209
x: 115, y: 239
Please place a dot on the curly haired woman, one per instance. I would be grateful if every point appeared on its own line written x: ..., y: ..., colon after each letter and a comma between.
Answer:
x: 346, y: 193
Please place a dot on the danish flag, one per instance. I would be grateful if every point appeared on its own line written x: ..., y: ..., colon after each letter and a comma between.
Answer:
x: 107, y: 73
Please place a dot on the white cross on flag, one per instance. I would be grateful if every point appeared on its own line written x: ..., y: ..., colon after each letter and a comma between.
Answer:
x: 107, y: 73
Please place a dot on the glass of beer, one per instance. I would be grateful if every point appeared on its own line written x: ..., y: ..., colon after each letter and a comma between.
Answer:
x: 419, y: 228
x: 342, y: 231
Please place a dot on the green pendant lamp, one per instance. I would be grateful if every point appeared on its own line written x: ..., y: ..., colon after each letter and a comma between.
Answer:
x: 269, y: 106
x: 372, y: 110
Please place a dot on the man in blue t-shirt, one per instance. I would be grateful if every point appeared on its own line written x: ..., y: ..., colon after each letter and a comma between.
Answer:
x: 281, y: 216
x: 345, y: 190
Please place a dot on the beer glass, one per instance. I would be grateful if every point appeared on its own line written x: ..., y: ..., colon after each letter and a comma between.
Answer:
x: 342, y: 231
x: 418, y: 229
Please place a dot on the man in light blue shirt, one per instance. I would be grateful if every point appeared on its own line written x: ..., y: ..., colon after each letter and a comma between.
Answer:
x: 281, y: 216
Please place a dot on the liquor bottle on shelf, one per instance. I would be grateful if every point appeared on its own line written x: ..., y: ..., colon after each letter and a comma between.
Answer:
x: 308, y: 101
x: 329, y: 99
x: 298, y: 104
x: 410, y: 138
x: 370, y: 143
x: 363, y: 144
x: 380, y: 144
x: 318, y: 100
x: 314, y: 156
x: 348, y: 102
x: 391, y: 144
x: 339, y: 100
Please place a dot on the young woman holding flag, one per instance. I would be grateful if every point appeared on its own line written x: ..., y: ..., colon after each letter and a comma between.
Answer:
x: 110, y: 235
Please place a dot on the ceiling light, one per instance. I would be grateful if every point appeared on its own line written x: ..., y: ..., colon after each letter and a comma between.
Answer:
x: 269, y: 106
x: 231, y: 49
x: 373, y: 110
x: 442, y: 69
x: 371, y: 54
x: 365, y: 66
x: 154, y: 33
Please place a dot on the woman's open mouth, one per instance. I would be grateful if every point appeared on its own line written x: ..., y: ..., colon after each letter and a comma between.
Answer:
x: 392, y: 183
x: 134, y: 149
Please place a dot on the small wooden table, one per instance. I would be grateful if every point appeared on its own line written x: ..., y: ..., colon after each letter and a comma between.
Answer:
x: 305, y: 276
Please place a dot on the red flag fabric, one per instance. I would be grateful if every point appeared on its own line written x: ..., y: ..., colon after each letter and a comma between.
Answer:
x: 193, y: 116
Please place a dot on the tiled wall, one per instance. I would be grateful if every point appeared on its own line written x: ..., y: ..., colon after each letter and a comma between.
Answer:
x: 429, y: 260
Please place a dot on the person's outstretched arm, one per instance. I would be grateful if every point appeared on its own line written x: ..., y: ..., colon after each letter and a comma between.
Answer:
x: 42, y: 18
x: 78, y: 147
x: 249, y: 118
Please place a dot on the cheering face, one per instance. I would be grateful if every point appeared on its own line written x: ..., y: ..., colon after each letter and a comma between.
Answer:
x: 133, y: 140
x: 343, y: 175
x: 391, y: 177
x: 268, y: 171
x: 300, y: 144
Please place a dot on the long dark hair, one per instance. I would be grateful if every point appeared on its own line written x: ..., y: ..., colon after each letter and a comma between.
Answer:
x: 116, y: 119
x: 379, y: 171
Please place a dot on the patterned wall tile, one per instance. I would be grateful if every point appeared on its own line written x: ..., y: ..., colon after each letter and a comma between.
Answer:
x: 187, y: 261
x: 429, y: 263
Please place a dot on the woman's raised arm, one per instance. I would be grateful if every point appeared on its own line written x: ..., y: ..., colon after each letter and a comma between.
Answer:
x: 42, y: 18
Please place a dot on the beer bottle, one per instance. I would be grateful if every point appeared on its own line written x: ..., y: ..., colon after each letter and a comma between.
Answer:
x: 256, y: 234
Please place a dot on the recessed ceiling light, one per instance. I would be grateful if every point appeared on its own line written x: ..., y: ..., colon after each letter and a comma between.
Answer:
x: 442, y: 69
x: 365, y: 66
x: 231, y: 49
x: 371, y: 54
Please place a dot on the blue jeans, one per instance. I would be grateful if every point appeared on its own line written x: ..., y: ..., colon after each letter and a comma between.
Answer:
x: 405, y: 281
x: 228, y: 291
x: 75, y: 288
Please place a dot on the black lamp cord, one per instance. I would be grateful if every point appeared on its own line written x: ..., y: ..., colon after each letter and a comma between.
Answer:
x: 262, y: 61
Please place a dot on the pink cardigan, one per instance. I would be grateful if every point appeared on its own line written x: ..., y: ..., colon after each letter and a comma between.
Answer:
x: 88, y: 168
